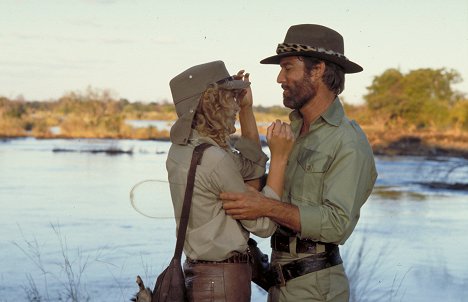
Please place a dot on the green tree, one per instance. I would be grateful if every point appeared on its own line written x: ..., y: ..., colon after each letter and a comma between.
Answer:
x: 459, y: 114
x: 422, y: 97
x: 385, y: 92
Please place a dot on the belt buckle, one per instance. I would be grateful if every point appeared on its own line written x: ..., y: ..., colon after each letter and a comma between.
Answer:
x: 280, y: 277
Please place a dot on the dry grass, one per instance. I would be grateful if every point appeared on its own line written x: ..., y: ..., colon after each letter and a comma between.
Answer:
x: 393, y: 137
x: 69, y: 272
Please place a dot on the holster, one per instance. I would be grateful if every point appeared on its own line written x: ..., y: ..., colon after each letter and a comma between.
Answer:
x: 260, y: 265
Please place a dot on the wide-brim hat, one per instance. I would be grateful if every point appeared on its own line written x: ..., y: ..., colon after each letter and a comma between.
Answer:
x: 187, y: 88
x: 317, y: 41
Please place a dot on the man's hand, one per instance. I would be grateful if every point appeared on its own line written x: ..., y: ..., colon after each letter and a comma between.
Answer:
x: 252, y: 204
x: 246, y: 205
x: 245, y: 97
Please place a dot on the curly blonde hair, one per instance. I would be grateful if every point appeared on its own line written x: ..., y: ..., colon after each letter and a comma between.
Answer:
x: 216, y: 114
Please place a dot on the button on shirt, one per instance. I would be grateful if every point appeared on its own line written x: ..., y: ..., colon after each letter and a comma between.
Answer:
x: 211, y: 234
x: 331, y: 173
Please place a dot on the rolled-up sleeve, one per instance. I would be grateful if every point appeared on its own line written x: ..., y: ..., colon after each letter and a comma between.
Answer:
x: 226, y: 178
x: 250, y: 160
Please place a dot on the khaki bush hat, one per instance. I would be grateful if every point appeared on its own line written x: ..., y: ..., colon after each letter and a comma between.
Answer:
x: 187, y: 88
x: 317, y: 41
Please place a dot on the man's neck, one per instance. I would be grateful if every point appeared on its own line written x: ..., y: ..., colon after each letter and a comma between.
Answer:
x: 315, y: 107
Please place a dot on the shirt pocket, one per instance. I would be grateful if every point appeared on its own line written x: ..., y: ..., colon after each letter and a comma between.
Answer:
x: 307, y: 183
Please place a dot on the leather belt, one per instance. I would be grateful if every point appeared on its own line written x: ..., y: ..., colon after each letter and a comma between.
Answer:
x: 280, y: 243
x: 280, y: 274
x: 236, y: 258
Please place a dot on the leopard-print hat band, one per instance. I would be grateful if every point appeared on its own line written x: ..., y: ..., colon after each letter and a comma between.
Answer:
x: 294, y: 47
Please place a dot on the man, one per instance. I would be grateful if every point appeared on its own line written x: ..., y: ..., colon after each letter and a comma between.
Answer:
x: 330, y: 173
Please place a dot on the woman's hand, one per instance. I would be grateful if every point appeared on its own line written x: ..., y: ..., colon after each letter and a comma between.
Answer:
x: 245, y: 96
x: 280, y: 140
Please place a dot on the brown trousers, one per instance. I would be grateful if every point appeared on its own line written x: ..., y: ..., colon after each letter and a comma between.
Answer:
x: 218, y: 282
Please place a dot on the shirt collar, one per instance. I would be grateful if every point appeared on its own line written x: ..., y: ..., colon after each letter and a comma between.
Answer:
x: 333, y: 115
x: 196, y: 139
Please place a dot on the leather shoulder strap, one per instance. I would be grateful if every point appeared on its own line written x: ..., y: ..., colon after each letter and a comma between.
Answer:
x: 196, y: 157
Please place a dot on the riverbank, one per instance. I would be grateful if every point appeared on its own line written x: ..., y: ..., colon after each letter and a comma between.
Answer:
x: 404, y: 142
x: 389, y: 142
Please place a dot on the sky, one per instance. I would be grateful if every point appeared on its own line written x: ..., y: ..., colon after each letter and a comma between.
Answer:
x: 134, y: 47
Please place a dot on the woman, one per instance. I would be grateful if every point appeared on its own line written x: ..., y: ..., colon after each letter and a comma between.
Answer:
x: 207, y: 100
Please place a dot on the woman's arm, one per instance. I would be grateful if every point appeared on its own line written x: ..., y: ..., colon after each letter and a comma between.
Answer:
x: 247, y: 120
x: 246, y: 117
x: 281, y: 141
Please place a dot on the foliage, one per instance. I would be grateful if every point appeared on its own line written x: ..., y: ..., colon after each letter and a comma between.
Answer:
x: 459, y: 114
x: 93, y: 113
x: 418, y: 100
x: 423, y: 98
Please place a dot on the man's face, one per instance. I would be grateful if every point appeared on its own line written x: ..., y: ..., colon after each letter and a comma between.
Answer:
x: 298, y: 88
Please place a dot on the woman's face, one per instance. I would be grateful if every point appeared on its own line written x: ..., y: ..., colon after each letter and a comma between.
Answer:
x: 231, y: 110
x: 216, y: 114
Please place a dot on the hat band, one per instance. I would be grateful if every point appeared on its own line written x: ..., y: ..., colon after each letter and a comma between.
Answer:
x: 294, y: 47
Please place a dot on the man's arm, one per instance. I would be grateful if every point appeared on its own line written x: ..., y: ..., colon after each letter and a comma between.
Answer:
x: 252, y: 205
x: 225, y: 177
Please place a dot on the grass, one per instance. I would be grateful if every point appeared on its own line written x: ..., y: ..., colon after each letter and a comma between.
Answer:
x: 363, y: 273
x: 64, y: 280
x: 68, y: 273
x: 64, y: 277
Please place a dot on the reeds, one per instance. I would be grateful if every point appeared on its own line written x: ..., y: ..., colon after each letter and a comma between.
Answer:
x: 68, y: 273
x: 363, y: 273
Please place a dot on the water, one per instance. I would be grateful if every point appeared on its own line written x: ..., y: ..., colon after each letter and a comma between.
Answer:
x: 66, y: 219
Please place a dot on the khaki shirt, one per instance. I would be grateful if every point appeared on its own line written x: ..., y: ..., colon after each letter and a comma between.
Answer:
x: 211, y: 234
x: 330, y: 174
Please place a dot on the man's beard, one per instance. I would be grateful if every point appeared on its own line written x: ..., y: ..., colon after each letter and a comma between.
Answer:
x: 300, y: 93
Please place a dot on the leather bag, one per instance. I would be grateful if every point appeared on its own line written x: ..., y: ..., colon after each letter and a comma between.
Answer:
x: 170, y: 284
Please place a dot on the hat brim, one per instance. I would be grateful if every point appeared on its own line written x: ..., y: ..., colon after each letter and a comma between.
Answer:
x: 347, y: 65
x: 180, y: 131
x: 234, y: 84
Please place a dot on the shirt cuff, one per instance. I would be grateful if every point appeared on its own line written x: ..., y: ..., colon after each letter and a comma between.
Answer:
x: 310, y: 222
x: 250, y: 150
x: 268, y: 192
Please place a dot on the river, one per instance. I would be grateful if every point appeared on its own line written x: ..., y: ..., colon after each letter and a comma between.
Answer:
x: 68, y: 228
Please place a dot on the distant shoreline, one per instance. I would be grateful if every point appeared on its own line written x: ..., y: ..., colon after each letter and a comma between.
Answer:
x: 389, y: 143
x: 404, y: 142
